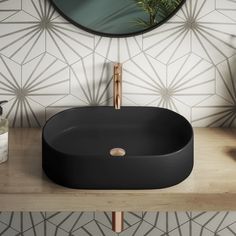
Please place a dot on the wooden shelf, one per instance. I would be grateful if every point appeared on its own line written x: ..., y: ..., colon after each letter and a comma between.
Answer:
x: 211, y: 186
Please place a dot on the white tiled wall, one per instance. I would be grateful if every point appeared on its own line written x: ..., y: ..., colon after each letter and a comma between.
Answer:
x: 187, y: 64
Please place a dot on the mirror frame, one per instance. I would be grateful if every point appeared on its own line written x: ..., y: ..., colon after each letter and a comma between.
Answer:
x: 116, y: 35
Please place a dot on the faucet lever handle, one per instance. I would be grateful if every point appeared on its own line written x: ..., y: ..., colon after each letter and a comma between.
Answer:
x: 117, y: 102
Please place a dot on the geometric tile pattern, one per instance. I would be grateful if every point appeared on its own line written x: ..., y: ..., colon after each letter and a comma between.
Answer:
x: 32, y: 87
x: 198, y: 27
x: 21, y: 221
x: 118, y: 49
x: 186, y: 65
x: 38, y: 28
x: 135, y: 224
x: 92, y: 84
x: 219, y: 109
x: 177, y: 86
x: 8, y: 8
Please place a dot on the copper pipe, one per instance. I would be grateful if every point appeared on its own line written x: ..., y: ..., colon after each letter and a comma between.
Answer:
x: 117, y: 85
x: 117, y: 221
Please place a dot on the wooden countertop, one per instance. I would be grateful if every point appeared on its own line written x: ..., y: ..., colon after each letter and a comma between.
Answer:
x: 211, y: 186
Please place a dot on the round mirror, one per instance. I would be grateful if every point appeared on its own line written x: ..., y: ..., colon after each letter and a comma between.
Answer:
x: 117, y: 18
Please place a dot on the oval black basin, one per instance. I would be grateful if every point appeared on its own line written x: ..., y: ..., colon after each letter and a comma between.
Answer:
x: 157, y: 145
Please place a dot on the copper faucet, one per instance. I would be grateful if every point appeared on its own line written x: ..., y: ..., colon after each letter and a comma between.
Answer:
x: 117, y: 85
x: 117, y: 216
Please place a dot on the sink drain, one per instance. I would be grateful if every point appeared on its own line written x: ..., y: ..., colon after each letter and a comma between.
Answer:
x: 117, y: 152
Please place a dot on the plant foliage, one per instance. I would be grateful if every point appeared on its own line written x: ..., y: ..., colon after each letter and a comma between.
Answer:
x: 155, y: 8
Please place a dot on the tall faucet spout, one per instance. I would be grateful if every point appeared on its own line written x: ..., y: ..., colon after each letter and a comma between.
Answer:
x: 117, y: 85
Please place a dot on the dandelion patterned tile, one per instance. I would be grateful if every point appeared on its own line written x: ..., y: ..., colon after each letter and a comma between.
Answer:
x: 6, y: 230
x: 228, y: 231
x: 227, y: 7
x: 140, y: 229
x: 118, y: 49
x: 94, y: 228
x: 215, y: 111
x: 70, y: 221
x: 50, y: 214
x: 10, y: 77
x: 21, y: 221
x: 226, y: 79
x: 196, y: 214
x: 37, y: 28
x: 69, y: 101
x: 10, y: 5
x: 91, y: 80
x: 178, y: 86
x: 45, y: 229
x: 191, y: 78
x: 175, y: 72
x: 219, y: 110
x: 21, y: 37
x: 215, y: 221
x: 143, y: 78
x: 168, y: 42
x: 166, y: 221
x: 191, y: 228
x: 8, y: 8
x: 197, y: 27
x: 44, y: 80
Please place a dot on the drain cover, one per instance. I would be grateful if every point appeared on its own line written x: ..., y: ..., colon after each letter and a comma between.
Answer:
x: 117, y: 152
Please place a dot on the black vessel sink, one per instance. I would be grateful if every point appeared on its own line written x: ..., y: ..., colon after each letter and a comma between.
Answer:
x: 157, y: 143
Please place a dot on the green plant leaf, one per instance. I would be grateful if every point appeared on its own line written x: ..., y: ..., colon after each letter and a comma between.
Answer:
x: 155, y: 8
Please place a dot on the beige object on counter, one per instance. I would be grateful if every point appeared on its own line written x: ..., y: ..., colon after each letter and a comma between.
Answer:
x: 3, y: 140
x: 211, y: 186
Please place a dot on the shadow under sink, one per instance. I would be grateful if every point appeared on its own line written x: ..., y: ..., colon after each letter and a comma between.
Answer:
x: 158, y: 145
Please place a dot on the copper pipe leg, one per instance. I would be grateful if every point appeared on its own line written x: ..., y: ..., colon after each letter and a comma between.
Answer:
x: 117, y: 221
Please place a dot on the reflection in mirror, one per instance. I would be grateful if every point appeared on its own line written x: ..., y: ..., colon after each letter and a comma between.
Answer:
x: 117, y: 17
